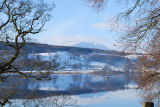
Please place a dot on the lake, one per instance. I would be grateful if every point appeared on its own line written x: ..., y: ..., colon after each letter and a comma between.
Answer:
x: 82, y: 90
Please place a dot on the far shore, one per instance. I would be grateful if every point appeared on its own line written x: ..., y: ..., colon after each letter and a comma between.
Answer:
x: 73, y: 72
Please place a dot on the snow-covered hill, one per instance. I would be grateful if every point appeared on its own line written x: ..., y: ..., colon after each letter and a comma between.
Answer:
x: 91, y: 45
x: 76, y: 58
x: 93, y: 61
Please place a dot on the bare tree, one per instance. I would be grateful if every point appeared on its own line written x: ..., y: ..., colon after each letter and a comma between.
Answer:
x: 20, y: 19
x: 149, y: 66
x: 96, y: 3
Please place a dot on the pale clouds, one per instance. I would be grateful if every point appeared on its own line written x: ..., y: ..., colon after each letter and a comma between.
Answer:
x: 63, y: 27
x: 68, y: 32
x: 75, y: 30
x: 74, y: 39
x: 111, y: 24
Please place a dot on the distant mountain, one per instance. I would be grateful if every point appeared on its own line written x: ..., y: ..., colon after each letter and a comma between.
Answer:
x: 91, y: 45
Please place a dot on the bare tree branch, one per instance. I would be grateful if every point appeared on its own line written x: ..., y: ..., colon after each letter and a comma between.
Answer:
x: 23, y: 17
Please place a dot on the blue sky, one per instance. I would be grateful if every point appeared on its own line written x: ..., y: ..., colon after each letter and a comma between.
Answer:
x: 74, y: 21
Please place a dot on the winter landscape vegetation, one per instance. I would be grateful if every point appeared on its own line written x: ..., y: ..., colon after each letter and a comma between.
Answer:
x: 64, y: 53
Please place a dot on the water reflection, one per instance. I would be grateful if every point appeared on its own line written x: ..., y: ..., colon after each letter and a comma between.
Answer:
x: 56, y: 101
x: 64, y: 90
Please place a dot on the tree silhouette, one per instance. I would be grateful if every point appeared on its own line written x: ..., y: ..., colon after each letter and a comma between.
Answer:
x: 20, y: 20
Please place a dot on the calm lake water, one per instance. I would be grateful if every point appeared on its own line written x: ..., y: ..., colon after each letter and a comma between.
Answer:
x: 82, y: 90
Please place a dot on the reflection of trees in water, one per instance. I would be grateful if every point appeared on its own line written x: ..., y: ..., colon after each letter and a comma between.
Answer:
x: 18, y: 88
x: 97, y: 83
x: 7, y: 91
x: 16, y: 82
x: 13, y: 88
x: 79, y: 82
x: 56, y: 101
